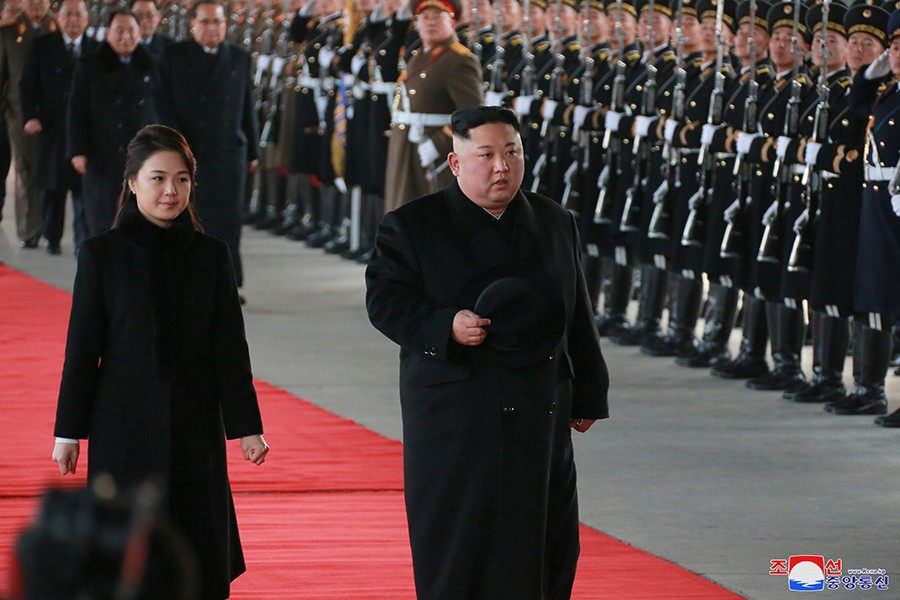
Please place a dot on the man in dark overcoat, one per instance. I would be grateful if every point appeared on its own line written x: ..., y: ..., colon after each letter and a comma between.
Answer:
x: 15, y: 42
x: 481, y: 286
x: 110, y: 100
x: 44, y: 92
x: 206, y: 93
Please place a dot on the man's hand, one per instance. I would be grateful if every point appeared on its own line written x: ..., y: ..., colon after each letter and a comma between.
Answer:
x: 32, y: 126
x: 79, y: 163
x: 468, y: 328
x: 581, y: 425
x: 252, y: 166
x: 255, y: 449
x: 66, y: 456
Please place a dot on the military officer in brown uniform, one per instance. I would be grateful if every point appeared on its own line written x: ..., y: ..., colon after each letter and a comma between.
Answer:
x: 440, y: 78
x: 15, y: 43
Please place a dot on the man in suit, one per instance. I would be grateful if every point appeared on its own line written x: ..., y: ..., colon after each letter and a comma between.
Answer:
x: 15, y: 42
x: 44, y: 91
x: 206, y: 92
x: 481, y: 285
x: 147, y: 13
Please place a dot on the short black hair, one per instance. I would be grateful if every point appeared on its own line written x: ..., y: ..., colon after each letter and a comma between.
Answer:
x: 121, y: 10
x: 465, y: 120
x: 196, y: 5
x: 153, y: 2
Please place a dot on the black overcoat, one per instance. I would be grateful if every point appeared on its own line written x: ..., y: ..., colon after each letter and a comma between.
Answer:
x: 488, y: 464
x: 44, y: 93
x: 157, y: 375
x: 209, y: 99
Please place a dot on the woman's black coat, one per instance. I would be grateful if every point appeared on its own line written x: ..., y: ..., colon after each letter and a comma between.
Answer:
x: 157, y: 375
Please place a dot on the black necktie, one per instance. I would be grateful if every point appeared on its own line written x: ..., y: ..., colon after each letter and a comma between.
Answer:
x: 70, y: 48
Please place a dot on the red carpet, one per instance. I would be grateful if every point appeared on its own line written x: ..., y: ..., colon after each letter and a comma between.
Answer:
x: 323, y: 519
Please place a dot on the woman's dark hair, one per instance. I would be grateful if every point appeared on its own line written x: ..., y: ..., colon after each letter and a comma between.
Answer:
x: 122, y: 10
x: 147, y: 142
x: 466, y: 119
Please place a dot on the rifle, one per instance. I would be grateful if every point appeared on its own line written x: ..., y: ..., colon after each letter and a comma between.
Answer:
x: 694, y: 232
x: 557, y: 78
x: 498, y: 82
x: 526, y: 88
x: 585, y: 98
x: 800, y: 258
x: 770, y: 246
x: 475, y: 42
x: 731, y: 246
x: 631, y: 212
x: 662, y: 211
x: 612, y: 145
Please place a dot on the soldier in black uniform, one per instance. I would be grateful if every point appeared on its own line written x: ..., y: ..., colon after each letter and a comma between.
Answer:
x: 877, y: 288
x: 785, y: 321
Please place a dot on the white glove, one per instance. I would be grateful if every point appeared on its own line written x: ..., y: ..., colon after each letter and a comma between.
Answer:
x: 811, y: 153
x: 612, y: 120
x: 603, y: 179
x: 895, y: 204
x: 671, y: 124
x: 378, y: 14
x: 493, y: 98
x: 709, y: 131
x: 783, y: 143
x: 642, y: 125
x: 548, y: 109
x: 326, y: 55
x: 732, y: 211
x: 308, y: 9
x: 801, y: 221
x: 428, y: 153
x: 404, y: 13
x: 522, y: 105
x: 660, y: 194
x: 880, y: 67
x: 580, y: 114
x: 340, y: 184
x: 769, y: 217
x: 745, y: 140
x: 695, y: 201
x: 357, y: 62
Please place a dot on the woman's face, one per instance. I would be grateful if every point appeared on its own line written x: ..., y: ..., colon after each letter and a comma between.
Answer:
x: 162, y: 187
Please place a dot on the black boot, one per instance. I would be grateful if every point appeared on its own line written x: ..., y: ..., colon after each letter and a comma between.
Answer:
x: 830, y: 338
x: 788, y: 334
x: 650, y: 306
x: 891, y: 420
x: 721, y: 308
x: 684, y: 310
x: 895, y: 353
x: 616, y: 295
x: 868, y: 396
x: 751, y: 360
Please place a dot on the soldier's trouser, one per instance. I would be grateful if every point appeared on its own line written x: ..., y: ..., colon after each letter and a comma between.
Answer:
x: 29, y: 213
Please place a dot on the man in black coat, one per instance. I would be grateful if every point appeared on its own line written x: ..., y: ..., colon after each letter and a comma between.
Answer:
x: 206, y: 92
x: 44, y: 92
x: 481, y: 286
x: 111, y: 99
x: 147, y: 13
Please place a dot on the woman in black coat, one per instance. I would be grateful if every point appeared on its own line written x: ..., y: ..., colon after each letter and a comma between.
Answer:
x: 157, y: 370
x: 110, y: 100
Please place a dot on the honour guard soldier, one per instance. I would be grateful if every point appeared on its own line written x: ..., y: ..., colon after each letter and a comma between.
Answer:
x: 15, y: 42
x: 441, y: 78
x: 877, y: 289
x: 779, y: 114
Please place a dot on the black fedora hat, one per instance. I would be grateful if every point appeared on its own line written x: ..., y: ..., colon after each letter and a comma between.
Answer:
x: 527, y: 313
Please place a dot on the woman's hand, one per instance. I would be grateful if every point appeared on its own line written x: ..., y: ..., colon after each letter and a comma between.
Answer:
x: 581, y: 425
x: 66, y: 456
x: 255, y: 449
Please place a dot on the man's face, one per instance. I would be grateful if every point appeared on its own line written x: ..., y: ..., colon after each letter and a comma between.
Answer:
x: 596, y: 25
x: 36, y: 9
x: 434, y: 25
x: 837, y: 50
x: 123, y: 35
x: 894, y: 55
x: 661, y: 27
x: 148, y: 17
x: 511, y: 12
x: 780, y: 49
x: 862, y: 49
x: 742, y: 41
x: 72, y: 18
x: 489, y: 166
x: 208, y: 27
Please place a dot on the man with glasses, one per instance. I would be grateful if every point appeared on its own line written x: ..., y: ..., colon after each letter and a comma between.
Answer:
x: 206, y: 92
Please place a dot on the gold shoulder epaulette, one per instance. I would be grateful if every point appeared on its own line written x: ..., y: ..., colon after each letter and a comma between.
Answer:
x: 633, y: 55
x: 669, y: 57
x: 845, y: 82
x: 603, y: 54
x: 543, y: 46
x: 517, y: 40
x: 802, y: 80
x: 574, y: 46
x: 488, y: 38
x: 460, y: 48
x: 762, y: 69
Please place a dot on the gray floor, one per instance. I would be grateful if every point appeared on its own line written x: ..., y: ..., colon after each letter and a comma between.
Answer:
x: 702, y: 472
